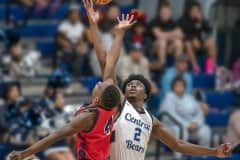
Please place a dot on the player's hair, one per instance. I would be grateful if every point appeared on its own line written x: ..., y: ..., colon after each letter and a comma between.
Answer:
x: 176, y: 80
x: 110, y: 97
x: 140, y: 78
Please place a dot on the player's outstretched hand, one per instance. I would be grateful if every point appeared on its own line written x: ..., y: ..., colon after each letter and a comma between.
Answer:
x: 93, y: 15
x: 224, y: 150
x: 124, y: 22
x: 17, y: 155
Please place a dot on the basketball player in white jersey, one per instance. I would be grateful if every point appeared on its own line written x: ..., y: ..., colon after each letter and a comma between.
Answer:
x: 133, y: 124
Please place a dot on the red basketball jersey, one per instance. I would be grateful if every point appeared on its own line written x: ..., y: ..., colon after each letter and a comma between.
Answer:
x: 95, y: 144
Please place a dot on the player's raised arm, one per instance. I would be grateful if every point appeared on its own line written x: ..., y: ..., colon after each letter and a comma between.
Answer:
x: 93, y: 17
x: 86, y: 119
x: 161, y: 133
x: 124, y: 22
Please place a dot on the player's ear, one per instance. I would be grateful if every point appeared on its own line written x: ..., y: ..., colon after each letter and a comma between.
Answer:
x: 145, y: 96
x: 96, y: 100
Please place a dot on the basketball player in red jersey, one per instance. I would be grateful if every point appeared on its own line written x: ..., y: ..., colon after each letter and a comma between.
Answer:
x: 92, y: 124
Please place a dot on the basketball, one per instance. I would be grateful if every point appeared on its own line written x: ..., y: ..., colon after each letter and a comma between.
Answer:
x: 102, y: 2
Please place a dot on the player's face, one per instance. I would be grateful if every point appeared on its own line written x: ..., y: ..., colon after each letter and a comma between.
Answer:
x: 98, y: 89
x: 135, y: 90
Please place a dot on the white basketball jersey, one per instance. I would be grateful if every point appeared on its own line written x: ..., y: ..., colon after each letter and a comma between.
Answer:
x: 131, y: 134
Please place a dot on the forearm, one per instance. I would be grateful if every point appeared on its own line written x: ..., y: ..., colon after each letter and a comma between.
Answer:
x: 196, y: 150
x: 98, y: 46
x: 162, y: 134
x: 47, y: 141
x: 112, y: 58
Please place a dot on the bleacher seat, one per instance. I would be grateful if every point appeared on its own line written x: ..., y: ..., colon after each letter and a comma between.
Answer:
x: 17, y: 11
x: 217, y: 119
x: 47, y: 48
x: 3, y: 152
x: 221, y: 100
x: 204, y: 81
x: 39, y: 30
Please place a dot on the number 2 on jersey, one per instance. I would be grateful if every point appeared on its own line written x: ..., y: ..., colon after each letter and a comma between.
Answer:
x: 137, y: 134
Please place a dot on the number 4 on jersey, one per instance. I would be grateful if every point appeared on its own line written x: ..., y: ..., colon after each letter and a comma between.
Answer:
x: 137, y: 134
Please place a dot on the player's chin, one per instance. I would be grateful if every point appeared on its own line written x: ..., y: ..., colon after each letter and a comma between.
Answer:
x: 131, y: 96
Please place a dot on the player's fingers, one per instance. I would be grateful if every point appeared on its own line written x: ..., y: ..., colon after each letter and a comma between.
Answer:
x: 131, y: 18
x: 132, y: 23
x: 84, y: 3
x: 123, y: 17
x: 118, y: 19
x: 91, y: 3
x: 127, y: 17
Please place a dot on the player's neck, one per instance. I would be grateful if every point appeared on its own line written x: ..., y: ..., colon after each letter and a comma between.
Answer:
x: 138, y: 105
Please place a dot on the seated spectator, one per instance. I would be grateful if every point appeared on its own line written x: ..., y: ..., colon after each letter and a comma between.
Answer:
x: 135, y: 63
x: 112, y: 12
x: 71, y: 41
x: 137, y: 34
x: 54, y: 118
x: 233, y: 130
x: 166, y: 34
x: 19, y: 64
x: 45, y: 101
x: 45, y: 8
x: 198, y: 36
x: 23, y: 124
x: 180, y: 68
x: 8, y: 110
x: 187, y: 111
x: 26, y: 5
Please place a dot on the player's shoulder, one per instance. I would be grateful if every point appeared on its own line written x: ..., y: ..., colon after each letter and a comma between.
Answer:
x: 86, y: 108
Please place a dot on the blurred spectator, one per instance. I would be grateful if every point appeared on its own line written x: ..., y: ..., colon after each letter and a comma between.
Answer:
x: 23, y: 124
x: 233, y: 130
x: 27, y: 7
x: 45, y: 8
x: 180, y: 69
x: 198, y: 36
x: 187, y: 111
x: 166, y: 34
x: 19, y: 64
x: 134, y: 63
x: 112, y: 12
x: 137, y: 34
x: 228, y: 79
x: 72, y: 43
x: 54, y: 118
x: 30, y: 8
x: 9, y: 109
x: 45, y: 101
